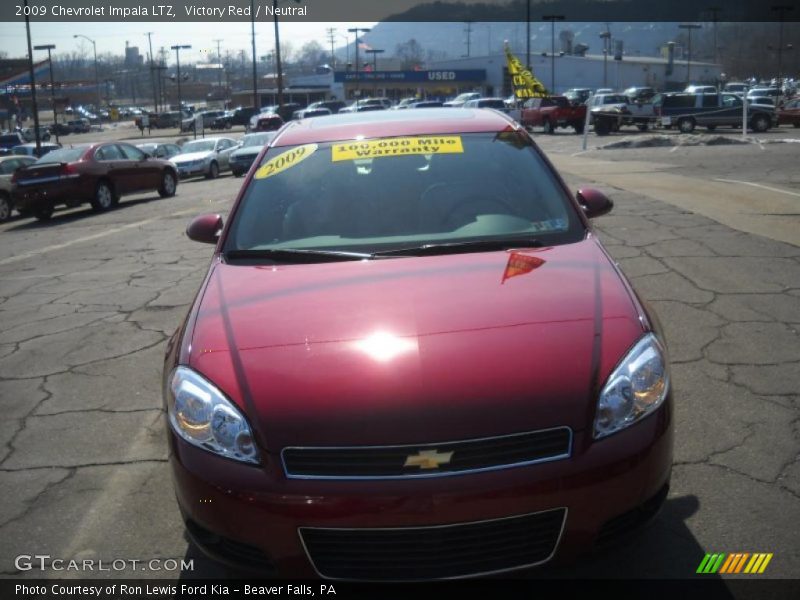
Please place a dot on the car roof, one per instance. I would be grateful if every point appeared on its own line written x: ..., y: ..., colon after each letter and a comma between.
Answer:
x: 425, y: 121
x: 13, y: 156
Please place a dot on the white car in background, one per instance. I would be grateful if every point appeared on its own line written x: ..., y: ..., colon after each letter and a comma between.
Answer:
x: 207, y: 157
x: 461, y: 99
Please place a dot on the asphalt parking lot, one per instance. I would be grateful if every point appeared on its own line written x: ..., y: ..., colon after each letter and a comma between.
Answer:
x: 709, y: 235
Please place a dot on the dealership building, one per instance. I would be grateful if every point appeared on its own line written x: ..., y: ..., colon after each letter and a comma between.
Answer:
x: 489, y: 76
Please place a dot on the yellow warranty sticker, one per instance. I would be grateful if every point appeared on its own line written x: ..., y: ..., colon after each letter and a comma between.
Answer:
x: 285, y: 160
x: 399, y: 146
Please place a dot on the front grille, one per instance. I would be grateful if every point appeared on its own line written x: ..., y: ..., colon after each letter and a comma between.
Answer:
x: 427, y: 460
x: 437, y: 552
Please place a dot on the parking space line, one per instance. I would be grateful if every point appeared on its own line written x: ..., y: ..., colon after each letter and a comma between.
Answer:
x: 89, y: 238
x: 759, y: 185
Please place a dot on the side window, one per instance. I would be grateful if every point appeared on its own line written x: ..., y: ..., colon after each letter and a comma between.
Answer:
x: 224, y: 145
x: 131, y: 153
x: 110, y: 152
x: 710, y: 100
x: 8, y: 166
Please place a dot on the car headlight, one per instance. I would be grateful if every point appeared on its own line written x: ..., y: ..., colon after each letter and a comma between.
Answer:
x: 201, y: 415
x: 634, y: 389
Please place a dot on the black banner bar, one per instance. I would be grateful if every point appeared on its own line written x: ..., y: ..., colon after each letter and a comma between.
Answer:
x: 712, y: 588
x: 397, y: 10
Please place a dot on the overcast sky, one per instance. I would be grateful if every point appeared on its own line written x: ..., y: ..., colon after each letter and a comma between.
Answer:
x: 111, y: 37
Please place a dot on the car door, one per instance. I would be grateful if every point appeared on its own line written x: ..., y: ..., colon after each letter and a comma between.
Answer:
x: 113, y: 166
x: 224, y: 149
x: 144, y: 173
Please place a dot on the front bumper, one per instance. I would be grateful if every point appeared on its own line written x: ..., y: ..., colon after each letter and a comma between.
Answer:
x: 259, y: 512
x: 189, y: 170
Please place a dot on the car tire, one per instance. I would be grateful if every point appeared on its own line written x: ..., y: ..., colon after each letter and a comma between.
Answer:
x: 43, y: 214
x: 686, y: 125
x: 5, y: 208
x: 760, y: 123
x: 549, y: 129
x: 578, y: 127
x: 213, y: 170
x: 710, y: 128
x: 642, y: 126
x: 602, y: 127
x: 168, y: 185
x: 103, y: 197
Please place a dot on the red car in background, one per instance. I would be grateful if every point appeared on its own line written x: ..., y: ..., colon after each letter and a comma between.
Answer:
x: 411, y: 358
x: 789, y: 113
x: 94, y: 173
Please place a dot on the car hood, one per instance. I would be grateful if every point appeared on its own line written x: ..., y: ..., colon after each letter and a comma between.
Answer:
x: 184, y: 158
x: 414, y: 350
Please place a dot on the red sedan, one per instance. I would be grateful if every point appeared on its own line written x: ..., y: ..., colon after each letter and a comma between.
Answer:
x: 790, y: 113
x: 411, y: 358
x: 94, y: 173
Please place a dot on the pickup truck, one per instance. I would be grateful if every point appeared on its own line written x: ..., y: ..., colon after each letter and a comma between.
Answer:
x: 641, y: 114
x: 553, y: 112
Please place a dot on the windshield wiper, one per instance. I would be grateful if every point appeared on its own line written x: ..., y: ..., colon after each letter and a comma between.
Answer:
x: 459, y: 247
x: 295, y: 255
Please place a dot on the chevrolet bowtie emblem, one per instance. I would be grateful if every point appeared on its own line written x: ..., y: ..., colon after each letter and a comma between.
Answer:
x: 428, y: 459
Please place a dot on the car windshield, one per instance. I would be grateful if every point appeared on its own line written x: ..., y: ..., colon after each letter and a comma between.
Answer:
x: 256, y: 139
x: 397, y: 193
x: 198, y: 146
x: 64, y: 155
x: 614, y: 99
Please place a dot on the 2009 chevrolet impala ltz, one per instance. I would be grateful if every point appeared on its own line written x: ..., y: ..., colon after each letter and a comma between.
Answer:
x: 411, y: 358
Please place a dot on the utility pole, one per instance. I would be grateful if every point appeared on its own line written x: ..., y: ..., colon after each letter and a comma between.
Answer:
x: 715, y: 10
x: 50, y: 47
x: 331, y: 32
x: 278, y: 53
x: 152, y: 70
x: 468, y: 31
x: 34, y: 107
x: 688, y: 27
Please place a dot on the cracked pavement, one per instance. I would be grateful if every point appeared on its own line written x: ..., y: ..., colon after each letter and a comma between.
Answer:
x: 88, y: 301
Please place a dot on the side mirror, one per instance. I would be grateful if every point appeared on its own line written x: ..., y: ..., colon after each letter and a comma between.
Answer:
x: 205, y: 228
x: 593, y: 202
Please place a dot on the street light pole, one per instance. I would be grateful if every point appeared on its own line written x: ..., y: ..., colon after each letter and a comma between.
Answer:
x: 152, y: 71
x: 96, y: 78
x: 782, y: 9
x: 688, y: 27
x: 606, y: 37
x: 278, y: 53
x: 178, y: 49
x: 528, y: 37
x: 355, y: 30
x: 256, y: 102
x: 34, y: 106
x: 374, y: 53
x: 50, y: 47
x: 553, y: 19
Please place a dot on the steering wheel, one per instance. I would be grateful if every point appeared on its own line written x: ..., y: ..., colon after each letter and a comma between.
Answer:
x: 483, y: 204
